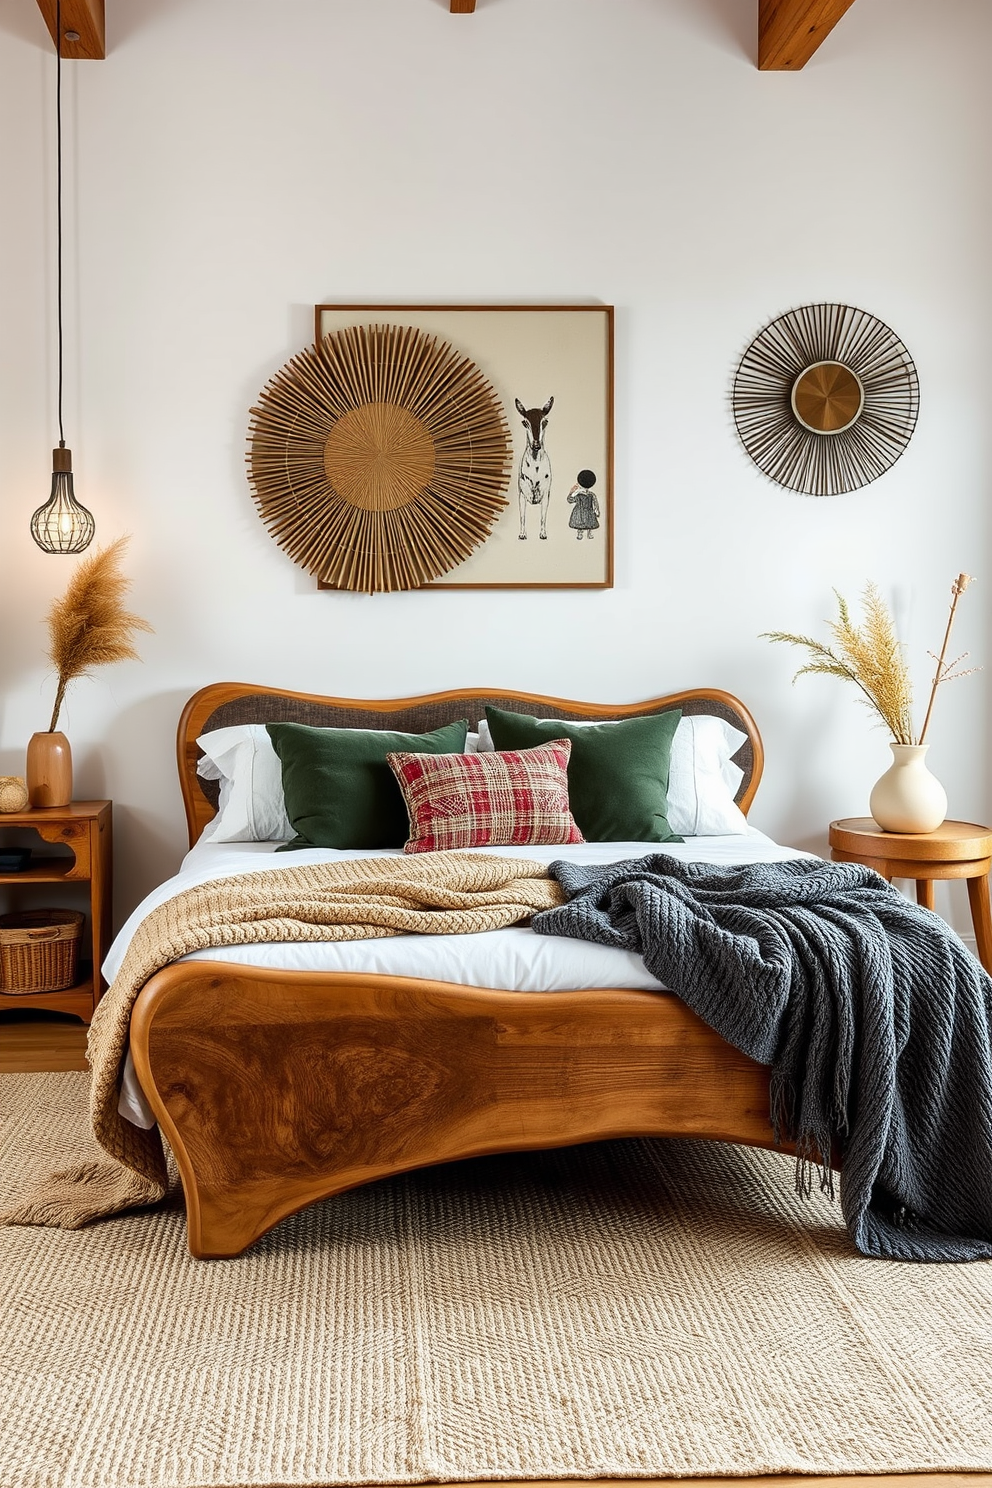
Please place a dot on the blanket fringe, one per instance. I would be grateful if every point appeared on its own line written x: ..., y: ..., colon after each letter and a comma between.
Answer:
x: 74, y: 1197
x: 813, y: 1149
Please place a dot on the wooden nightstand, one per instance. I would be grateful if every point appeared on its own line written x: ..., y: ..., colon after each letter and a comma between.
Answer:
x: 955, y: 850
x: 85, y: 828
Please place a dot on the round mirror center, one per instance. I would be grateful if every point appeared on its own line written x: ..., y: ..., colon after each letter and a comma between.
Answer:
x: 827, y: 397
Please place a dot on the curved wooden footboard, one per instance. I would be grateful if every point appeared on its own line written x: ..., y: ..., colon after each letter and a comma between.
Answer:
x: 276, y: 1089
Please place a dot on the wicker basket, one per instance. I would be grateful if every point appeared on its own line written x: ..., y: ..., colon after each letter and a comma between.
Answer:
x: 39, y: 951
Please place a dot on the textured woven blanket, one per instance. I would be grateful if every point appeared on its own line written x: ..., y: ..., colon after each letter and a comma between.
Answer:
x: 445, y: 893
x: 874, y: 1018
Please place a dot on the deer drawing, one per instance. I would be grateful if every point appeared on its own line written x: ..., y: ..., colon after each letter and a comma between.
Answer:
x: 534, y: 477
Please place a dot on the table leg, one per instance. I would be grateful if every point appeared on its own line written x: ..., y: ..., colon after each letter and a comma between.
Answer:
x: 924, y: 892
x: 981, y: 917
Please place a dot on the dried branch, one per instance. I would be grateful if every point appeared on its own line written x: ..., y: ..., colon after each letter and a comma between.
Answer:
x: 957, y: 589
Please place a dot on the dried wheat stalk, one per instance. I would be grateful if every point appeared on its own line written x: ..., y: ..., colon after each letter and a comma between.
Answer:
x: 871, y: 657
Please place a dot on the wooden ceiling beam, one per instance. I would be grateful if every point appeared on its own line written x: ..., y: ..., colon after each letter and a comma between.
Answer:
x: 789, y: 31
x: 86, y: 19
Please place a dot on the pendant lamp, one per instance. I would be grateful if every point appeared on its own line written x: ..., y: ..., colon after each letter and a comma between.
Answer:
x: 62, y: 525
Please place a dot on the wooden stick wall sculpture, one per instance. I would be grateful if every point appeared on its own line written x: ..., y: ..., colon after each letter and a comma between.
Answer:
x: 825, y: 399
x: 379, y: 458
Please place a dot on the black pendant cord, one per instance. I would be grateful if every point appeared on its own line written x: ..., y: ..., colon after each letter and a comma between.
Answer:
x: 58, y: 177
x: 62, y: 524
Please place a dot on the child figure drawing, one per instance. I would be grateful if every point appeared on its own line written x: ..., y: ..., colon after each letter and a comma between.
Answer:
x: 585, y: 506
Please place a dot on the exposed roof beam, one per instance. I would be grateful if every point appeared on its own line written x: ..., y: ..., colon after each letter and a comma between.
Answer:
x: 86, y: 19
x: 789, y: 31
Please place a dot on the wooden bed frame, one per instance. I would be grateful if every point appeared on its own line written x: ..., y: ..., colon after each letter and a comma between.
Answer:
x: 276, y: 1089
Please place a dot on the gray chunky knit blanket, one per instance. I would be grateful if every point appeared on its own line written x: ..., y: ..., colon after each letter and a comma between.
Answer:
x: 874, y: 1018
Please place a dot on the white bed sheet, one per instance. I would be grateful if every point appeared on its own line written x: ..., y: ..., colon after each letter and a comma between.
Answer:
x: 514, y: 959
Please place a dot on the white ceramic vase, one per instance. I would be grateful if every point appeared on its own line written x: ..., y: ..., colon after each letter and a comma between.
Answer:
x: 908, y: 798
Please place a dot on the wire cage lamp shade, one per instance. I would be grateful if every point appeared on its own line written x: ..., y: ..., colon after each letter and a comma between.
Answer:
x: 63, y: 524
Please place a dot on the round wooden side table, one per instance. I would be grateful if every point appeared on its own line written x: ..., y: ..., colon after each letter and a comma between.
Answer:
x: 955, y: 850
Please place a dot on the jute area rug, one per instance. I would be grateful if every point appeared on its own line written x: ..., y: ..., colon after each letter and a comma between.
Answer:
x: 629, y: 1309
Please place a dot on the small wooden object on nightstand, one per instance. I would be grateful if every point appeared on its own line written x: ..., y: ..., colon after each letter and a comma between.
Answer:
x: 955, y: 850
x: 85, y: 828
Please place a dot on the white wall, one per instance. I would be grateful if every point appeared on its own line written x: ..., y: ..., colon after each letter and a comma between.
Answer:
x: 233, y: 162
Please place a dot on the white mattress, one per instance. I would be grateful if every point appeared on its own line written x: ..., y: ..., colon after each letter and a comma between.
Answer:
x: 514, y: 959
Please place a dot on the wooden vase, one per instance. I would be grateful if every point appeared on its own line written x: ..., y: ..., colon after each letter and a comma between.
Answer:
x: 49, y: 770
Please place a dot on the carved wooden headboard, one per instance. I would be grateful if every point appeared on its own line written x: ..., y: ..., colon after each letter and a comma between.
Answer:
x: 225, y: 703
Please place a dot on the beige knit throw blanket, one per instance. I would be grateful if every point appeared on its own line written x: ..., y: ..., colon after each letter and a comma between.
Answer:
x: 445, y: 893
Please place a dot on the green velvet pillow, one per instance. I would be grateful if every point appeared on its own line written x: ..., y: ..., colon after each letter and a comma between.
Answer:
x: 339, y: 790
x: 617, y: 772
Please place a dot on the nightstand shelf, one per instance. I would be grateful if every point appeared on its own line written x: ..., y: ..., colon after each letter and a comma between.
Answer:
x: 85, y: 828
x: 78, y: 1000
x: 49, y: 870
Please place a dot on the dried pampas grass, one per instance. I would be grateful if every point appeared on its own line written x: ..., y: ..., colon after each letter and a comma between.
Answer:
x: 89, y: 626
x: 871, y: 656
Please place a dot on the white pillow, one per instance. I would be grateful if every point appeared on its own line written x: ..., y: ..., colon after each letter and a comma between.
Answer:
x: 702, y: 780
x: 252, y: 807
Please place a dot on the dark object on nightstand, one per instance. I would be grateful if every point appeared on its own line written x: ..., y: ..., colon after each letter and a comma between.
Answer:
x: 14, y: 859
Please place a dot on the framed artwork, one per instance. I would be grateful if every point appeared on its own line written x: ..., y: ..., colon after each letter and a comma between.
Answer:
x: 443, y: 446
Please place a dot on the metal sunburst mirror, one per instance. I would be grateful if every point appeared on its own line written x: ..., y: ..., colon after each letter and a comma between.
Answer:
x: 379, y: 458
x: 825, y: 399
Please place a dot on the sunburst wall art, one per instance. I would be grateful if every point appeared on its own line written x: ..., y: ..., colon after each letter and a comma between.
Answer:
x: 379, y: 458
x: 825, y: 399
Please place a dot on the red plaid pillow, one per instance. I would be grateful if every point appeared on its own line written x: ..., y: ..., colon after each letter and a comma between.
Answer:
x: 502, y: 799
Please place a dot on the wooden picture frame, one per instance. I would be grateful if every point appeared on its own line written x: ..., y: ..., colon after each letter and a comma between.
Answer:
x: 552, y: 370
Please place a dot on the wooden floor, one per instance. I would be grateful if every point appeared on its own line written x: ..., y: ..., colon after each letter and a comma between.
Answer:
x: 32, y: 1040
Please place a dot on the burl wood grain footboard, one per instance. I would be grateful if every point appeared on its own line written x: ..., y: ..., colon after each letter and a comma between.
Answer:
x: 276, y: 1089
